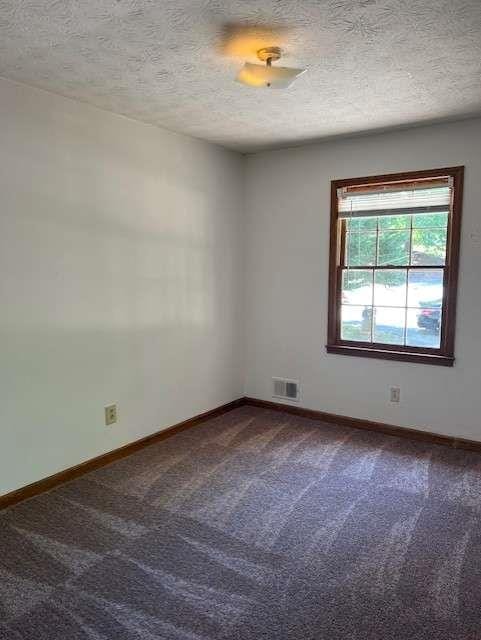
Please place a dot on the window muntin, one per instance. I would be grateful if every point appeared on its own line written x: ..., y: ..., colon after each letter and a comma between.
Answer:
x: 394, y: 265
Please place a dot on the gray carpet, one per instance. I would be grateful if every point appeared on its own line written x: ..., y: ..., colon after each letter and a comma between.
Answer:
x: 254, y: 525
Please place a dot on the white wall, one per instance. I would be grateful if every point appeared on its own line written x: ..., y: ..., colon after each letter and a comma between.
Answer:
x: 287, y: 244
x: 120, y: 268
x: 130, y: 273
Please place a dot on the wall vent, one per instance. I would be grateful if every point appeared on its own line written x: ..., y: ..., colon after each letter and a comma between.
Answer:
x: 285, y: 389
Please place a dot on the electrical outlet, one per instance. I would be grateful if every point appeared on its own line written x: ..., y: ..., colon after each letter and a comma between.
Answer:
x: 111, y: 414
x: 475, y: 237
x: 395, y: 394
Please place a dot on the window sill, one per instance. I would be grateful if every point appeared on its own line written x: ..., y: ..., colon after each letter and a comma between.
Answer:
x: 384, y: 354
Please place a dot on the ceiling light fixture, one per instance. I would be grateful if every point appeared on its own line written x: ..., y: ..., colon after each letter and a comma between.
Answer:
x: 257, y: 75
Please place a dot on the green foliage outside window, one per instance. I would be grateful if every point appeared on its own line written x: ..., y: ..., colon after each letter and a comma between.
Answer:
x: 400, y: 240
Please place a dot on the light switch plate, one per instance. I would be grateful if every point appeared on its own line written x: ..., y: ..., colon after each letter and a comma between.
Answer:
x: 395, y: 394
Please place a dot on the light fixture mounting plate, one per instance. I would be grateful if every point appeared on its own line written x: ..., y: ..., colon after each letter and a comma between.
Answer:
x: 269, y: 53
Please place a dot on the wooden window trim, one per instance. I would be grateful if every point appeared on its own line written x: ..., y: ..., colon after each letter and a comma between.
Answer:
x: 443, y: 356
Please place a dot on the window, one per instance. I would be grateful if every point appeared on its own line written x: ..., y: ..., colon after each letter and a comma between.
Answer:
x: 393, y: 265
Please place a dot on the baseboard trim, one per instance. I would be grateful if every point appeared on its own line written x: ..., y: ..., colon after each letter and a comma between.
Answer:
x: 57, y: 479
x: 358, y: 423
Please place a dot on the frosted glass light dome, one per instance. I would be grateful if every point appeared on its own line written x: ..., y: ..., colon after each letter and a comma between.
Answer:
x: 259, y: 75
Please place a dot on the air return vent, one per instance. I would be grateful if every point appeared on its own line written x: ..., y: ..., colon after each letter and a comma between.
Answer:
x: 285, y: 389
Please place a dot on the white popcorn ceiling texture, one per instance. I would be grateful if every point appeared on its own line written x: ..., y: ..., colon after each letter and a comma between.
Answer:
x: 371, y: 63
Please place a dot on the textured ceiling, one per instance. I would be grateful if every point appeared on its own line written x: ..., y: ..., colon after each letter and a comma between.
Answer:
x: 371, y: 63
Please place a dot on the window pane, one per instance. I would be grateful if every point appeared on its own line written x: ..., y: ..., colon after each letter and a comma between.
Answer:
x: 357, y: 287
x: 397, y: 244
x: 361, y: 249
x: 390, y: 287
x: 393, y: 247
x: 425, y: 288
x: 361, y: 224
x: 425, y: 220
x: 424, y: 328
x: 395, y: 222
x: 429, y: 246
x: 356, y: 323
x: 389, y: 325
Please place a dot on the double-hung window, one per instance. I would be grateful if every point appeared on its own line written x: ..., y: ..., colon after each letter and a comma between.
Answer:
x: 393, y: 265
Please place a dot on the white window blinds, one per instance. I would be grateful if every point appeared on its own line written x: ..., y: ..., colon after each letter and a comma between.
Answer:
x: 394, y: 201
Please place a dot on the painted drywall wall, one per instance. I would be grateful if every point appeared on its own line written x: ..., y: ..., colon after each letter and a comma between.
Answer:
x: 120, y: 267
x: 287, y: 247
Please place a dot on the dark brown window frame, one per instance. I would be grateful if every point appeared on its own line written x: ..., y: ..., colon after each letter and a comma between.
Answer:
x: 445, y: 354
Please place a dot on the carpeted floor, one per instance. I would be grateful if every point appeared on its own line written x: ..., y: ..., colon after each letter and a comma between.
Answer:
x: 255, y: 525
